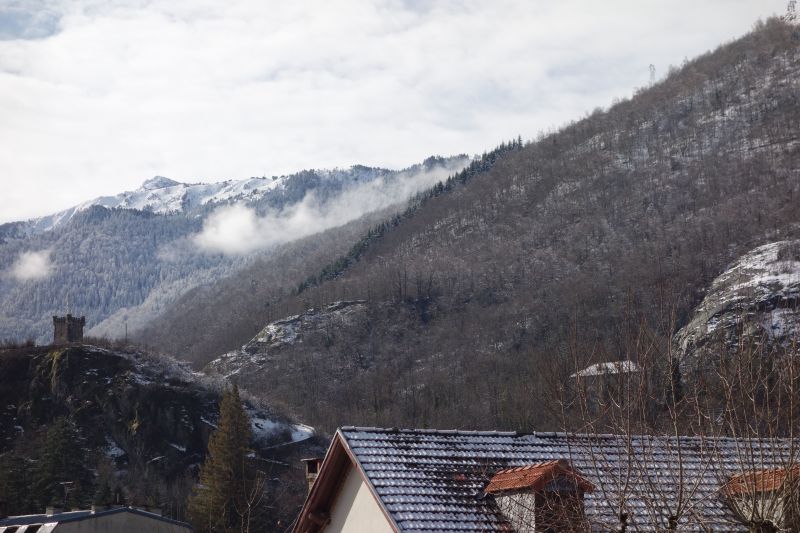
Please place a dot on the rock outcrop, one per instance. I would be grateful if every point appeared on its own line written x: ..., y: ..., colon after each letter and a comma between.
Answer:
x: 755, y: 302
x: 260, y: 352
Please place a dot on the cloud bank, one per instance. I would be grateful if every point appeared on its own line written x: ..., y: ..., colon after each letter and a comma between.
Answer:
x: 97, y: 95
x: 237, y: 229
x: 32, y: 266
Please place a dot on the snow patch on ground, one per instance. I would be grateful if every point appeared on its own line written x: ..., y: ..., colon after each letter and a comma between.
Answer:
x: 112, y: 450
x: 178, y: 447
x: 266, y: 429
x: 761, y: 270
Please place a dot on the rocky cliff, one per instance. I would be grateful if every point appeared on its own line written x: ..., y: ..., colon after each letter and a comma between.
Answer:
x: 756, y: 301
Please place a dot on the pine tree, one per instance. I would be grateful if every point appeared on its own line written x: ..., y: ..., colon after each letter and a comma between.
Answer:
x: 224, y: 494
x: 63, y: 460
x: 104, y: 497
x: 15, y: 479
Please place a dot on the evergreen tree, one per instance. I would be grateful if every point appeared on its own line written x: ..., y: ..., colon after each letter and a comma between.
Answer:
x: 15, y: 476
x: 104, y: 496
x: 227, y: 491
x: 63, y: 460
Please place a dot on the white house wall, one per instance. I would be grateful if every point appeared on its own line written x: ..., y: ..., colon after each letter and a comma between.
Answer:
x: 355, y: 509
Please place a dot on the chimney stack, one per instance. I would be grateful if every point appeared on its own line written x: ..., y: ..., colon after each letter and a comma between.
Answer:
x: 312, y: 470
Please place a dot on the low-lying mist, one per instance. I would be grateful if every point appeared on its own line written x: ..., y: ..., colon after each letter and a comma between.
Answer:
x: 238, y: 229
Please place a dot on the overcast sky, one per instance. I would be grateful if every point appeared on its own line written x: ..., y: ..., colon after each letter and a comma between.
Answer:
x: 97, y: 96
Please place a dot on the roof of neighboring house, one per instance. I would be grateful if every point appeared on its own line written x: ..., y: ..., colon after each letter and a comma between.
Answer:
x: 535, y: 477
x: 437, y: 480
x: 770, y: 480
x: 608, y: 368
x: 74, y: 516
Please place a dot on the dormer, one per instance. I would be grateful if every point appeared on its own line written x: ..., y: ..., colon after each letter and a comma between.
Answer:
x: 541, y: 497
x: 766, y: 500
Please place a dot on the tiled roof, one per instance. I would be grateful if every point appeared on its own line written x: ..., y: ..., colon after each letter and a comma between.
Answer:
x: 435, y: 481
x: 535, y: 477
x: 761, y: 481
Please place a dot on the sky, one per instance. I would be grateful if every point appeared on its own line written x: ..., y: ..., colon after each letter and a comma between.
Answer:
x: 98, y: 96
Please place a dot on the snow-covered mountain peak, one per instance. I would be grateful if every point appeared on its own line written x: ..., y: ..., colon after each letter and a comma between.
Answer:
x: 165, y: 196
x: 158, y: 182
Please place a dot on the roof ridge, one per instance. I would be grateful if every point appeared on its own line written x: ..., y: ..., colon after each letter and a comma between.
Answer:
x: 429, y: 431
x: 541, y: 434
x: 540, y: 464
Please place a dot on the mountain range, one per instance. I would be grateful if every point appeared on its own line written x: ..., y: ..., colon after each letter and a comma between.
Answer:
x: 120, y: 260
x: 483, y: 273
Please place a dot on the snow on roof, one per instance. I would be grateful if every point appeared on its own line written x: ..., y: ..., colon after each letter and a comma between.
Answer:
x: 607, y: 368
x: 435, y: 481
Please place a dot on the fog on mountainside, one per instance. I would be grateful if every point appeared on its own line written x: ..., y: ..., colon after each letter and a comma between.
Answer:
x: 238, y: 229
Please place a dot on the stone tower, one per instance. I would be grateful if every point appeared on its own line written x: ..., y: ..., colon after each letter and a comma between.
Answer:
x: 67, y: 329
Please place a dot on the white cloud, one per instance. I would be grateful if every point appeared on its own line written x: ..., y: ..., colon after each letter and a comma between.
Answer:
x: 32, y: 265
x: 237, y: 229
x: 98, y: 95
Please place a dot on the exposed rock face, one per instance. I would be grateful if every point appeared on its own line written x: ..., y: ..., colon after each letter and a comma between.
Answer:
x: 260, y: 352
x: 757, y: 300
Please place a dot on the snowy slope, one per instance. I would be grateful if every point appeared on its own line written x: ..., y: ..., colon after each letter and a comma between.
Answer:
x: 165, y: 196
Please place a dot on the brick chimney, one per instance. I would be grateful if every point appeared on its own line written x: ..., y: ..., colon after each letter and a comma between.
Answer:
x: 312, y: 470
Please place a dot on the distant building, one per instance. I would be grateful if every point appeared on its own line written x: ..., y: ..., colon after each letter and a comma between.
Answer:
x: 68, y: 329
x: 602, y: 384
x: 118, y: 520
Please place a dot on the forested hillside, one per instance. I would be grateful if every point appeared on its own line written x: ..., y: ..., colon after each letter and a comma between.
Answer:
x: 570, y: 244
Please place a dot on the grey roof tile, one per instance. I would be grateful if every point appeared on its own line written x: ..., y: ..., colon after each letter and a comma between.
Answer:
x: 433, y: 480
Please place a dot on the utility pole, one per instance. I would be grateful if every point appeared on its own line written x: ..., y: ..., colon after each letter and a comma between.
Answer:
x: 67, y: 488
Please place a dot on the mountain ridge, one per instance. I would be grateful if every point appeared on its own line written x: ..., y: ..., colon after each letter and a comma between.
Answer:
x: 162, y: 195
